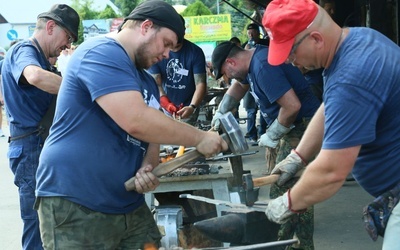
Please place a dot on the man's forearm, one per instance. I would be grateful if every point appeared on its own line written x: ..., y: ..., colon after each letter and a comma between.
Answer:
x: 199, y: 94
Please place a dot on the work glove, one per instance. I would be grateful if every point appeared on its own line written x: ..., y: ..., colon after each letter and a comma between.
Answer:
x: 227, y: 104
x: 166, y: 104
x: 288, y: 167
x: 274, y: 133
x: 279, y: 210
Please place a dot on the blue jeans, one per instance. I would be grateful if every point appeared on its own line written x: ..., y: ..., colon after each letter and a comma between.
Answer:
x: 23, y: 155
x: 251, y: 108
x: 263, y: 126
x: 251, y: 123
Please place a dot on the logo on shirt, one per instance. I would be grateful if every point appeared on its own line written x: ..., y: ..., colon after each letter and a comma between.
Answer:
x: 173, y: 69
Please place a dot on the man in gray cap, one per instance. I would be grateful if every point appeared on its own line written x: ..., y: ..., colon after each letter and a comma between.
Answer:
x: 29, y: 88
x: 107, y: 129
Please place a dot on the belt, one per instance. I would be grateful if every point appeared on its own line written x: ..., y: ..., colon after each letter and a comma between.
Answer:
x: 39, y: 130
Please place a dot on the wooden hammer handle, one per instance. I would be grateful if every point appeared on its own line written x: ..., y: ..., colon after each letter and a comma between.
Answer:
x: 270, y: 179
x: 167, y: 167
x: 266, y: 180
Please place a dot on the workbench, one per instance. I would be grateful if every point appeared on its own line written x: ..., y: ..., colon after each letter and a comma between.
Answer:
x: 218, y: 183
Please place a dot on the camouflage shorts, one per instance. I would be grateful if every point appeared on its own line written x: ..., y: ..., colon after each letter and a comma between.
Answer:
x: 301, y: 225
x: 286, y: 144
x: 67, y: 225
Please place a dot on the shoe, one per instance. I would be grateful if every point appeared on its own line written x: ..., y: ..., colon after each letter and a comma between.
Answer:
x: 1, y: 133
x: 252, y: 141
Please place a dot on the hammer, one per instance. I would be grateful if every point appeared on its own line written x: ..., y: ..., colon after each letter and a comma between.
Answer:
x: 271, y: 179
x: 232, y: 134
x: 251, y: 185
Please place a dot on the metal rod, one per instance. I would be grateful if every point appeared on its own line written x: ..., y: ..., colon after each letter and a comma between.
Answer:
x: 257, y: 246
x: 249, y: 17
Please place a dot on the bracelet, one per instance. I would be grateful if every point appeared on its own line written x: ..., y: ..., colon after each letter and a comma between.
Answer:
x: 301, y: 157
x: 193, y: 106
x: 290, y: 206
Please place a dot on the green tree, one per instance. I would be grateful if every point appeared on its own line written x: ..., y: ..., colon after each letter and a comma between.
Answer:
x: 126, y: 6
x: 107, y: 13
x: 196, y: 9
x: 239, y: 21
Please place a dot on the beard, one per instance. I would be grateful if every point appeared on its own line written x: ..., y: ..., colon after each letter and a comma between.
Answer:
x: 142, y: 57
x: 240, y: 76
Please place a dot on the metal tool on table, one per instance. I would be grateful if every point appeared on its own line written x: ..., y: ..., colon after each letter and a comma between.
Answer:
x: 225, y: 157
x: 224, y: 203
x: 232, y: 134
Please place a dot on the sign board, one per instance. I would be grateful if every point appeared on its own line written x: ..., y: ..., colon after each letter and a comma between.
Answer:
x: 12, y: 35
x: 208, y: 28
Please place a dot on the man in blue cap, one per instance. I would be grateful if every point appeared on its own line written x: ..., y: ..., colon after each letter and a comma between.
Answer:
x: 107, y: 129
x: 29, y: 89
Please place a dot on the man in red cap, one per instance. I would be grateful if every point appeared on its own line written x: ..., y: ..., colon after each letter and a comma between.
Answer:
x: 357, y: 126
x: 29, y: 87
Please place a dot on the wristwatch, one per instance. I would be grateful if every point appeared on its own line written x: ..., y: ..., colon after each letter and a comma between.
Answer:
x: 193, y: 106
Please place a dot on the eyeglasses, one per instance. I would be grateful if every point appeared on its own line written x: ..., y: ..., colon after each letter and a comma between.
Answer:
x: 292, y: 57
x: 70, y: 38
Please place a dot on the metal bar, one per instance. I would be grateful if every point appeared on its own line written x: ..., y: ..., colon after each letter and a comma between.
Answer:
x: 222, y: 203
x: 222, y: 157
x: 249, y: 17
x: 258, y: 246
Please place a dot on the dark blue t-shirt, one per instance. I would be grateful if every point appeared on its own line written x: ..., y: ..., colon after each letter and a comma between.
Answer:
x: 26, y: 104
x: 362, y: 107
x: 269, y: 83
x: 177, y: 72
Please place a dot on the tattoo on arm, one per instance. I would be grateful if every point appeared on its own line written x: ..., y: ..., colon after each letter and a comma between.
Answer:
x: 200, y: 78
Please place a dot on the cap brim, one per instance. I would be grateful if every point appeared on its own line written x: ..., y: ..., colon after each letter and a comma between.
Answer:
x: 279, y: 52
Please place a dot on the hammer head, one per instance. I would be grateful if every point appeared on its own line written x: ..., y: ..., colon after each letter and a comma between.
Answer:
x: 233, y: 134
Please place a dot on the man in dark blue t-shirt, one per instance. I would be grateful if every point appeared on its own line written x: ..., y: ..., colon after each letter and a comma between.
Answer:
x: 286, y: 102
x: 181, y: 80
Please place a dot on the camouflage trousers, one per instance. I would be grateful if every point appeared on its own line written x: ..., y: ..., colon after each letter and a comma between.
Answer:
x: 67, y: 225
x: 300, y: 226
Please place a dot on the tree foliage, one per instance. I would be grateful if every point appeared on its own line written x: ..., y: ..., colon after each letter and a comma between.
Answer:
x: 196, y: 9
x: 126, y: 6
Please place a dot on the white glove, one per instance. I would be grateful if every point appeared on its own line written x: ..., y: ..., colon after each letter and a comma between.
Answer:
x: 215, y: 123
x: 227, y: 104
x: 274, y: 133
x: 279, y: 211
x: 288, y: 167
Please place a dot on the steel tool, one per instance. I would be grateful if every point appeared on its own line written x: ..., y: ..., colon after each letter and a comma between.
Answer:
x: 232, y: 134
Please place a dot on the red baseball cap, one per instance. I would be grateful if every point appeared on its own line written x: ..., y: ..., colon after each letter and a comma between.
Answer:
x: 283, y: 20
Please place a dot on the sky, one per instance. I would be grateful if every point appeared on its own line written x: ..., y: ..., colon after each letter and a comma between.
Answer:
x: 26, y: 11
